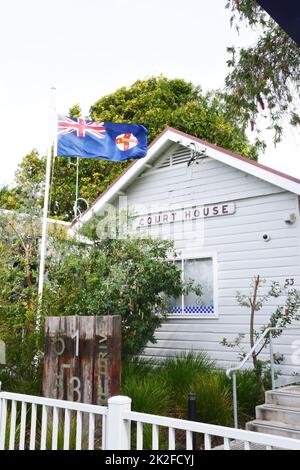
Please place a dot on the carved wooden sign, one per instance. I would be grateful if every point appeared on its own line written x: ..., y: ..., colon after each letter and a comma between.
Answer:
x: 82, y: 358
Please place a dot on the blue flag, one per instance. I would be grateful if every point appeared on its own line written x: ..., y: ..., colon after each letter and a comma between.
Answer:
x: 78, y: 137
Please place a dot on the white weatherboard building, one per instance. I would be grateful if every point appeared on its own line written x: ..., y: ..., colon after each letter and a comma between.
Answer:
x: 230, y: 219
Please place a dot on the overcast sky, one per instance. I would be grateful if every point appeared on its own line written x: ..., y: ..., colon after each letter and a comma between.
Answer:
x: 89, y: 48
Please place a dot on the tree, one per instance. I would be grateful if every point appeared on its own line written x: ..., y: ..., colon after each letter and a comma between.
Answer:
x: 8, y: 198
x: 19, y: 235
x: 280, y: 319
x: 265, y: 77
x: 30, y: 184
x: 129, y: 277
x: 28, y: 190
x: 157, y: 103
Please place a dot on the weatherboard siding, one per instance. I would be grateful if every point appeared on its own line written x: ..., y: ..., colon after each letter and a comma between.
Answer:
x: 235, y: 239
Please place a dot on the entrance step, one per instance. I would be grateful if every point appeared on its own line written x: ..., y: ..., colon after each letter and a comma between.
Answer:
x: 274, y: 427
x: 286, y: 396
x: 280, y: 415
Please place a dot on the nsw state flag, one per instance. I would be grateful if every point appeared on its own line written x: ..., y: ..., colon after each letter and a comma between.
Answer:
x: 78, y: 137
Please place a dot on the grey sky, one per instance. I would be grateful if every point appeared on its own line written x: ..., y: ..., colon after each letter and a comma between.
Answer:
x: 90, y: 48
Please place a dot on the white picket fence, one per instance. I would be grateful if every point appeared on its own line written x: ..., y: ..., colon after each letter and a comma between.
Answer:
x: 29, y: 422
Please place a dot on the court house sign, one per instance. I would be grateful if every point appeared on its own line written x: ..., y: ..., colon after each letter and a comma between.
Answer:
x: 184, y: 214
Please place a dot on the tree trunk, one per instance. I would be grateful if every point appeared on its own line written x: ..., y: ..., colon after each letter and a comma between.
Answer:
x: 252, y: 336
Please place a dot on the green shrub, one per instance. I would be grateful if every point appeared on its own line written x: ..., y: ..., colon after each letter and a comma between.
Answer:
x: 149, y: 394
x: 213, y: 400
x: 7, y: 430
x: 181, y: 372
x: 138, y: 367
x: 128, y: 277
x: 249, y: 394
x: 60, y: 435
x: 163, y: 388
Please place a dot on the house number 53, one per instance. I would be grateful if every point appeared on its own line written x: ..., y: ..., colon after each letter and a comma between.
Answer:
x: 289, y: 282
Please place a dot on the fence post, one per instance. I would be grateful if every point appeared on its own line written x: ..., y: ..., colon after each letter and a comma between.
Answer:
x: 118, y: 431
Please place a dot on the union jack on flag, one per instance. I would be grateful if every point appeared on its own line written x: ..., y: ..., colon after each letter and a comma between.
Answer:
x: 66, y: 125
x: 78, y: 137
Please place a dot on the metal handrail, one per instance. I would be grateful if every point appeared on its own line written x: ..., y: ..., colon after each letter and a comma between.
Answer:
x: 234, y: 370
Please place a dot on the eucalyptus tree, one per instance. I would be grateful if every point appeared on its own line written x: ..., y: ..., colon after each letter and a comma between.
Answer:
x: 264, y: 78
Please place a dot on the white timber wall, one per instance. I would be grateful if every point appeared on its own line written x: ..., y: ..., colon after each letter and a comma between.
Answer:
x: 236, y: 240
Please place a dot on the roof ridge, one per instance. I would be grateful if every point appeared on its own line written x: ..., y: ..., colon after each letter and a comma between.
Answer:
x: 203, y: 142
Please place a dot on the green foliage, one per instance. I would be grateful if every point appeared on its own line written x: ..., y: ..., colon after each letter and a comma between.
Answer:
x: 249, y: 394
x: 138, y: 366
x: 60, y: 434
x: 49, y: 431
x: 181, y: 373
x: 157, y: 102
x: 8, y: 198
x: 283, y: 316
x: 162, y: 387
x: 27, y: 193
x: 149, y: 393
x: 214, y: 400
x: 210, y: 384
x: 75, y: 111
x: 7, y: 427
x: 160, y: 102
x: 265, y: 77
x: 18, y: 304
x: 129, y: 277
x: 29, y: 183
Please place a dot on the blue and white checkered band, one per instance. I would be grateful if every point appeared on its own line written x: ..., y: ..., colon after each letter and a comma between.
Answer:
x: 192, y: 310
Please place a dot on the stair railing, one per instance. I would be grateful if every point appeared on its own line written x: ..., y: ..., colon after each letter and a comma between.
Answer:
x: 233, y: 370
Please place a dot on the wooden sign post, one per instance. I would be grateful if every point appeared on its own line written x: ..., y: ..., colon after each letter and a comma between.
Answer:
x: 82, y: 358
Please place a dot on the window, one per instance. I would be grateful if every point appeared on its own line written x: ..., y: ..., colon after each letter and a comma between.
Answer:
x: 202, y: 272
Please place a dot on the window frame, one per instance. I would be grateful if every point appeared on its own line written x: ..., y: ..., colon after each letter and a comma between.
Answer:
x: 203, y: 255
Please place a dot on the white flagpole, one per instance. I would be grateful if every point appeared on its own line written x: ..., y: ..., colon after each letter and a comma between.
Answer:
x: 52, y: 144
x: 77, y: 188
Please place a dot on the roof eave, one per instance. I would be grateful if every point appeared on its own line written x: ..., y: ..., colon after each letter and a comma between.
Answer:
x: 169, y: 136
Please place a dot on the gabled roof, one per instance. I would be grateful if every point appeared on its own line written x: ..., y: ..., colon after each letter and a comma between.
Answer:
x: 170, y: 136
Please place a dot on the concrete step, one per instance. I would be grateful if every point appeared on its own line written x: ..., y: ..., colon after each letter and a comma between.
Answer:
x: 275, y: 428
x: 285, y: 396
x: 285, y: 415
x: 240, y: 445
